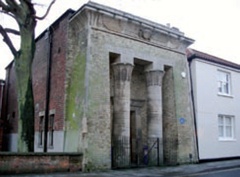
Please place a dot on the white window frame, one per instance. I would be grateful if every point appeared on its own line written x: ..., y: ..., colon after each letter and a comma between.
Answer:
x: 224, y: 126
x: 224, y: 83
x: 41, y: 132
x: 51, y: 131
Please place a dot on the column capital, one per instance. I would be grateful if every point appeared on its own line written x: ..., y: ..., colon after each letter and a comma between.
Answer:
x: 122, y: 71
x: 154, y: 77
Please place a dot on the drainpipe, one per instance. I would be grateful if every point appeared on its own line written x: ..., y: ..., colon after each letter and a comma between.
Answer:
x: 193, y: 102
x: 1, y: 101
x: 48, y: 88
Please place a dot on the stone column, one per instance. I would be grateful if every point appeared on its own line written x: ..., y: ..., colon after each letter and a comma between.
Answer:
x: 121, y: 114
x: 154, y: 115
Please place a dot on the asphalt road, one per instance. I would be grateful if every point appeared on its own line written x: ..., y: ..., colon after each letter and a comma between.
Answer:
x: 235, y: 172
x: 148, y: 172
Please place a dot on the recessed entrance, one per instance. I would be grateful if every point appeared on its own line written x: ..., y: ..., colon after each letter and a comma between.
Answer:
x: 133, y: 138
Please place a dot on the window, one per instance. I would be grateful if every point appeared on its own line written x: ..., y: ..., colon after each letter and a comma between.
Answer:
x: 226, y: 127
x: 41, y: 132
x: 51, y: 130
x: 224, y: 83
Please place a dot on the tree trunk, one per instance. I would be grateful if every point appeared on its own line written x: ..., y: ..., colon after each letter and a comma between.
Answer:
x: 23, y: 66
x: 25, y: 15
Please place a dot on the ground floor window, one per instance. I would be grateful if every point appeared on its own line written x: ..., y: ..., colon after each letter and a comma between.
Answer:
x: 51, y: 131
x: 226, y: 124
x: 41, y: 129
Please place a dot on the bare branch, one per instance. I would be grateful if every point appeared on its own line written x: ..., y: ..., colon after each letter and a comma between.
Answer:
x: 12, y: 3
x: 10, y: 6
x: 13, y: 31
x: 39, y: 4
x: 48, y: 9
x: 7, y: 13
x: 4, y: 6
x: 8, y: 41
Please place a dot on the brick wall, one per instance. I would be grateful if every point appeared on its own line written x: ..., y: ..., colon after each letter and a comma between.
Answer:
x: 10, y: 114
x: 57, y: 74
x: 39, y: 70
x: 2, y: 84
x: 57, y: 78
x: 39, y: 78
x: 16, y: 163
x: 9, y: 110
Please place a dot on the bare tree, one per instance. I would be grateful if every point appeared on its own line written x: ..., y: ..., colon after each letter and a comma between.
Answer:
x: 24, y: 13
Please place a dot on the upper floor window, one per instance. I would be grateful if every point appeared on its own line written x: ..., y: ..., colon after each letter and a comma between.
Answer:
x: 226, y: 127
x: 224, y: 83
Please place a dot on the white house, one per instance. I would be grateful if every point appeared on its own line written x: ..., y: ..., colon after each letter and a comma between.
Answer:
x: 216, y: 98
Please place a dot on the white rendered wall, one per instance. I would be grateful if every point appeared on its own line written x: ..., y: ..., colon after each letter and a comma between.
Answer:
x: 209, y: 104
x: 12, y: 142
x: 57, y: 142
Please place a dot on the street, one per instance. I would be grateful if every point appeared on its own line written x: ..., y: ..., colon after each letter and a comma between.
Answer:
x: 220, y: 173
x: 142, y: 173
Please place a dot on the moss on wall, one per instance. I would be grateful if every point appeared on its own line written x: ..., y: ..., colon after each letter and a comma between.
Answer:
x: 74, y: 102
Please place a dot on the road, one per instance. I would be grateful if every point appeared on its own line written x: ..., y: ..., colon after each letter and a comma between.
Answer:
x: 235, y: 172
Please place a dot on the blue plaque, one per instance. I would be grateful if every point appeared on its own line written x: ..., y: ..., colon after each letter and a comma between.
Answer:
x: 182, y: 120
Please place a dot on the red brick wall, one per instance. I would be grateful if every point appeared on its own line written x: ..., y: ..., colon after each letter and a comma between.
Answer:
x: 58, y: 73
x: 39, y: 78
x: 10, y: 110
x: 1, y: 137
x: 39, y: 70
x: 2, y: 84
x: 39, y: 163
x: 9, y: 115
x: 57, y: 90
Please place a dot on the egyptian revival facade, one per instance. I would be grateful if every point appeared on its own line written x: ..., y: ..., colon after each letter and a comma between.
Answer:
x: 114, y: 87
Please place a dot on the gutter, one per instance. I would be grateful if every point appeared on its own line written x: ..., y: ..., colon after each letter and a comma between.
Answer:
x: 48, y: 87
x: 195, y: 56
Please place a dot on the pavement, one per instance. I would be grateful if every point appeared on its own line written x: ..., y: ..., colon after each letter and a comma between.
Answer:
x: 173, y: 171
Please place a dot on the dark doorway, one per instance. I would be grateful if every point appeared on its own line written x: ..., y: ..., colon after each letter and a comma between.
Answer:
x: 133, y: 138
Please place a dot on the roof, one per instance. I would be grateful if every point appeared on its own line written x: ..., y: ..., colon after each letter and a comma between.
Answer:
x: 10, y: 64
x: 58, y: 20
x: 195, y: 54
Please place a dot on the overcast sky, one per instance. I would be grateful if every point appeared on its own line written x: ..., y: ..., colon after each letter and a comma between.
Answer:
x: 213, y: 24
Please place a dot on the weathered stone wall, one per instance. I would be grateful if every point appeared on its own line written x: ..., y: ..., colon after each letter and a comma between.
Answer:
x: 17, y: 163
x: 170, y: 131
x: 117, y: 36
x: 76, y: 85
x: 93, y: 38
x: 187, y: 149
x: 98, y: 112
